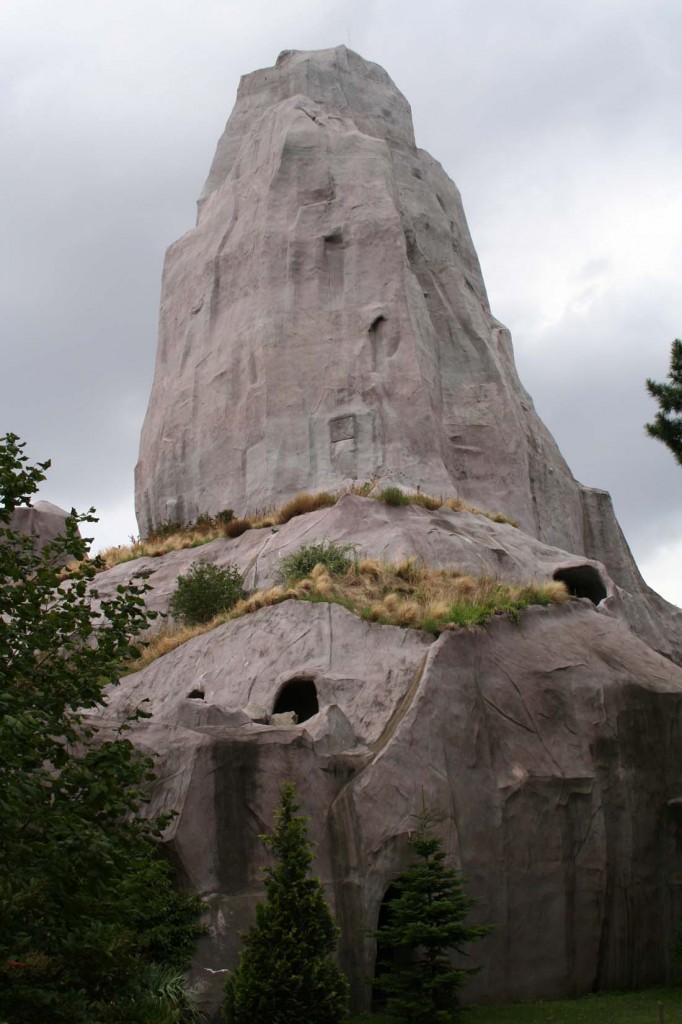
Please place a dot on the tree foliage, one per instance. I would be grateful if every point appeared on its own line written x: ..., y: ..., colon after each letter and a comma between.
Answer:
x: 89, y: 914
x: 667, y: 424
x: 285, y: 974
x: 426, y: 920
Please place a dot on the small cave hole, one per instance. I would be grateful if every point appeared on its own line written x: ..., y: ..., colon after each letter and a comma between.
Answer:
x: 582, y: 581
x: 300, y: 696
x: 376, y: 322
x: 196, y: 695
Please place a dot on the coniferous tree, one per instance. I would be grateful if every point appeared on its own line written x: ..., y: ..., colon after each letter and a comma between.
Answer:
x: 667, y: 425
x: 91, y: 926
x: 426, y: 920
x: 285, y: 974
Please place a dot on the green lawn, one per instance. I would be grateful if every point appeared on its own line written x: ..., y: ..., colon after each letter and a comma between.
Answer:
x: 602, y: 1008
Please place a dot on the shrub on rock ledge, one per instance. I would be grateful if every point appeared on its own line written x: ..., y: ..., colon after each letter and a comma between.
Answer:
x: 205, y: 591
x: 336, y: 558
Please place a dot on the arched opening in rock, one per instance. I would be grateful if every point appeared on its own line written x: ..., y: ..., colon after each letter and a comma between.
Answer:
x: 196, y: 695
x: 300, y: 696
x: 376, y: 322
x: 582, y: 581
x: 385, y: 954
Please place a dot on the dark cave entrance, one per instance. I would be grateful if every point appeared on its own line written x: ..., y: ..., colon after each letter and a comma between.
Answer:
x: 582, y: 581
x: 299, y: 696
x: 385, y: 954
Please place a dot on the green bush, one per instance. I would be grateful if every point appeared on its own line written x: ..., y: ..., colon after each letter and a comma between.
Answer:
x: 337, y: 558
x: 225, y: 516
x: 393, y: 496
x: 205, y: 591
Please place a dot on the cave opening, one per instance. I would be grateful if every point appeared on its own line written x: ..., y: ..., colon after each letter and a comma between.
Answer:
x: 582, y: 581
x: 386, y: 954
x: 299, y: 696
x: 196, y: 695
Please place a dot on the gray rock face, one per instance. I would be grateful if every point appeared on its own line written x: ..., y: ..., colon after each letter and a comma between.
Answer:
x: 549, y: 751
x: 44, y: 521
x: 327, y: 319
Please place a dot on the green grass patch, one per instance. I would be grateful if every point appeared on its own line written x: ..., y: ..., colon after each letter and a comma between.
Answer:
x: 600, y: 1008
x: 393, y: 496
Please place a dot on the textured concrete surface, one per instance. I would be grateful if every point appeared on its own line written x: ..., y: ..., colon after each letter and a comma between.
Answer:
x: 327, y: 319
x: 549, y: 750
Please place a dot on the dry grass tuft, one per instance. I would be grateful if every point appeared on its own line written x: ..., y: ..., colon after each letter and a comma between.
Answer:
x: 166, y: 638
x: 427, y: 501
x: 236, y: 527
x: 172, y: 537
x: 303, y: 503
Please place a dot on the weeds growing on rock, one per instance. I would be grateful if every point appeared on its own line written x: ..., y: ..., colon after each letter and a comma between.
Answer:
x: 173, y: 536
x: 337, y: 559
x: 304, y: 503
x: 393, y: 496
x: 406, y: 594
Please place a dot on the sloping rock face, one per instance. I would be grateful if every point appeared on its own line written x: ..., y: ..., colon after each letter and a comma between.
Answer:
x: 327, y: 319
x: 471, y: 543
x: 548, y: 749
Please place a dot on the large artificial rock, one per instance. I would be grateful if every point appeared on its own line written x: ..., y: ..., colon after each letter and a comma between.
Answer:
x: 327, y: 319
x: 549, y: 751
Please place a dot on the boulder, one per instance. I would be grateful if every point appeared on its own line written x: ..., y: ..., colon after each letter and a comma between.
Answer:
x: 284, y: 718
x: 43, y: 521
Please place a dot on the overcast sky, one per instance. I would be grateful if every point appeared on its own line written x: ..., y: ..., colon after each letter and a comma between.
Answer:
x: 559, y: 120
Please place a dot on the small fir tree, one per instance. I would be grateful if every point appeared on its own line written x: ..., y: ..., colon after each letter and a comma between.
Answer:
x: 426, y: 920
x: 285, y: 974
x: 667, y: 425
